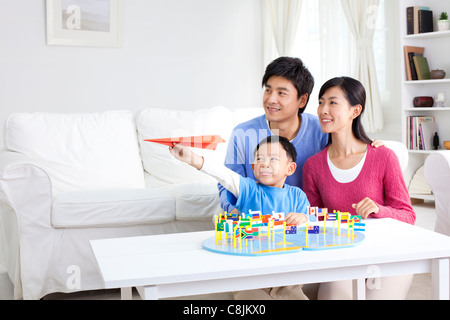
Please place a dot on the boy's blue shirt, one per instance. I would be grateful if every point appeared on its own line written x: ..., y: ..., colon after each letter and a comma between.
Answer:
x: 246, y: 136
x: 258, y: 197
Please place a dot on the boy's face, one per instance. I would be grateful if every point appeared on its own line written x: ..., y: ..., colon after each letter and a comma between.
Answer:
x: 272, y: 165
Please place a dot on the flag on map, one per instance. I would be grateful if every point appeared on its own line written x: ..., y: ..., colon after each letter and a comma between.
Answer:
x: 359, y: 226
x: 265, y: 218
x: 278, y: 223
x: 278, y: 215
x: 245, y: 223
x: 251, y: 214
x: 291, y: 229
x: 249, y: 233
x: 313, y: 229
x: 312, y: 211
x: 220, y: 226
x: 344, y: 217
x: 257, y: 223
x: 322, y: 213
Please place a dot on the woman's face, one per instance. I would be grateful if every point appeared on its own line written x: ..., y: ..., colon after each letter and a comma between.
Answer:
x: 335, y: 112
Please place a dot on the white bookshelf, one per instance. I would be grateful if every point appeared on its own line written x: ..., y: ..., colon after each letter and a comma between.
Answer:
x: 437, y: 52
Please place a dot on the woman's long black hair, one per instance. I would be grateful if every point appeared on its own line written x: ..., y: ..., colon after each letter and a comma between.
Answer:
x: 355, y: 94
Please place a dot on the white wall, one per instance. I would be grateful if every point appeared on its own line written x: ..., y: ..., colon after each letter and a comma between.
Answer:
x: 179, y: 54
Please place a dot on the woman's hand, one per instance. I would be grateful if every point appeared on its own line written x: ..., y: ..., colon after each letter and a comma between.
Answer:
x: 365, y: 207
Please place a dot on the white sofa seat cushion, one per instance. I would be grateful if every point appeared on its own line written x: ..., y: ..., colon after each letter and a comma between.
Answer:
x: 106, y: 208
x: 79, y: 151
x: 195, y: 200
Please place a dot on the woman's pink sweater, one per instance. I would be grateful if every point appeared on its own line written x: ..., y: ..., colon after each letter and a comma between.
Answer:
x: 380, y: 179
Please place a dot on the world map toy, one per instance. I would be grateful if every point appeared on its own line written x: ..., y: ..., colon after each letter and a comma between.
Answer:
x: 254, y: 234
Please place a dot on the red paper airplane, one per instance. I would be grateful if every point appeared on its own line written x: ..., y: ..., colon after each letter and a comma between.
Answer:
x: 204, y: 142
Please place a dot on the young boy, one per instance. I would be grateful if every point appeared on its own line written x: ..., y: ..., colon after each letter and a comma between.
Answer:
x: 275, y: 160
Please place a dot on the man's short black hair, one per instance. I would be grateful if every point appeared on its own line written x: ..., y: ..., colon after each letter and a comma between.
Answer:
x: 285, y: 143
x: 294, y: 70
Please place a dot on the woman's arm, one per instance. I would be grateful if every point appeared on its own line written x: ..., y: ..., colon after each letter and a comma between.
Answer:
x: 397, y: 202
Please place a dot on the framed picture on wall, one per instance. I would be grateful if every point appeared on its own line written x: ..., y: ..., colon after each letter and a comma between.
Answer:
x: 97, y: 23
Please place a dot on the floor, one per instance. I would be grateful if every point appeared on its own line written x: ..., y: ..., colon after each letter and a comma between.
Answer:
x: 420, y: 288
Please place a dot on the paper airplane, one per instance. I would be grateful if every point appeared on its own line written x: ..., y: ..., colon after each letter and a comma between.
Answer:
x: 204, y: 142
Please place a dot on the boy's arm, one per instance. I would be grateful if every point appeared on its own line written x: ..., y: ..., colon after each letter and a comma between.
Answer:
x: 234, y: 160
x: 226, y: 177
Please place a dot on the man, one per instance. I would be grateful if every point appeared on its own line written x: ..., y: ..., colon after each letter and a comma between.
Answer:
x: 288, y: 85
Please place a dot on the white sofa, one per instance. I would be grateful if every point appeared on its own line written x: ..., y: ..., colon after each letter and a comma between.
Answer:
x: 68, y: 178
x: 437, y: 174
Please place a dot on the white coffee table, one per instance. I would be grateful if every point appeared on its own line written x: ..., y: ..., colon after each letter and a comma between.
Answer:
x: 171, y: 265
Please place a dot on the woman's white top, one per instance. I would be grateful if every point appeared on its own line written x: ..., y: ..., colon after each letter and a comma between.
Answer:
x: 346, y: 175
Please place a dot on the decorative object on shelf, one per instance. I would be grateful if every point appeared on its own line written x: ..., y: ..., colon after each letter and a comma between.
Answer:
x: 437, y: 74
x: 440, y: 99
x: 447, y: 145
x: 423, y: 102
x: 443, y: 22
x: 436, y: 141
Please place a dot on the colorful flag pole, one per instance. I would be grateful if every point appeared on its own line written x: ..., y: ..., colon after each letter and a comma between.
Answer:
x: 306, y: 237
x: 338, y: 218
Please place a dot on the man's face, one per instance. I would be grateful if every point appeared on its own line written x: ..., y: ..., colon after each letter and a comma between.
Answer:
x: 280, y: 100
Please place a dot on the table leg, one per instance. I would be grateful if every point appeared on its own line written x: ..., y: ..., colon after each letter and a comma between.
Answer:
x: 148, y: 292
x: 125, y: 293
x: 359, y: 289
x: 440, y: 279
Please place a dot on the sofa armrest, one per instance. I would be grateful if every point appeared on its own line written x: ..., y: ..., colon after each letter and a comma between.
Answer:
x: 26, y: 188
x: 25, y: 219
x: 437, y: 175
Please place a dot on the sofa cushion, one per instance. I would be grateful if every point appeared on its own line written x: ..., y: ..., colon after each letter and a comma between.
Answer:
x: 81, y: 151
x: 244, y: 114
x: 195, y: 201
x: 106, y: 208
x: 162, y: 167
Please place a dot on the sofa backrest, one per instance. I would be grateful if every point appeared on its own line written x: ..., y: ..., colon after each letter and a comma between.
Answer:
x: 80, y: 151
x: 161, y: 167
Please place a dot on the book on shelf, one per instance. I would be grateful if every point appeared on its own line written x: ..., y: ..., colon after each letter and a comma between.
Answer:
x: 418, y: 19
x: 410, y: 53
x: 412, y: 64
x: 422, y: 68
x: 428, y: 129
x: 425, y: 21
x: 420, y: 131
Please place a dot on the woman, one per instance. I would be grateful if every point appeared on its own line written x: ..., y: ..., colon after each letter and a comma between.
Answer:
x: 352, y: 176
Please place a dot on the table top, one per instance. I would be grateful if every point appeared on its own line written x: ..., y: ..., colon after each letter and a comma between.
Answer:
x: 171, y: 258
